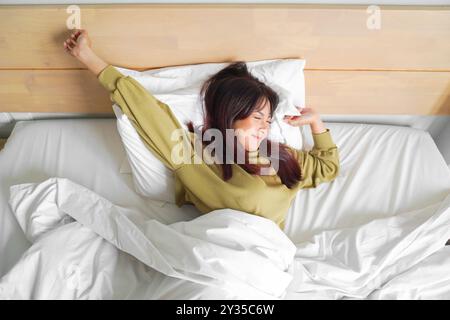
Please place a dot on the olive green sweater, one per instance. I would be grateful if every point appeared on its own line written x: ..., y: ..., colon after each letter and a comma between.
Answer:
x: 201, y: 184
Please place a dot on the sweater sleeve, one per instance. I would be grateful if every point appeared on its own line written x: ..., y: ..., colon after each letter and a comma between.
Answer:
x: 152, y: 119
x: 321, y: 163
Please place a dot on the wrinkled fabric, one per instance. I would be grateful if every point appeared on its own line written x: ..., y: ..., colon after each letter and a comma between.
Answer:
x: 85, y: 247
x: 243, y: 254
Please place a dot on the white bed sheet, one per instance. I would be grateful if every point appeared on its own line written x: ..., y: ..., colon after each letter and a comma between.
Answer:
x: 385, y: 170
x: 428, y: 280
x: 88, y: 152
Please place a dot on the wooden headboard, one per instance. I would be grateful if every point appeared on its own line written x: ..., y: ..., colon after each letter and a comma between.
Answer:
x: 403, y: 67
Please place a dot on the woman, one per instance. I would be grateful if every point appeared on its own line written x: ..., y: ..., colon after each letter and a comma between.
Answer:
x: 237, y: 101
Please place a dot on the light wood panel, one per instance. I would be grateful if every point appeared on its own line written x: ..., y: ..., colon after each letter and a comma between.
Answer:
x: 146, y: 36
x: 52, y: 91
x: 384, y: 92
x: 331, y: 92
x: 402, y: 68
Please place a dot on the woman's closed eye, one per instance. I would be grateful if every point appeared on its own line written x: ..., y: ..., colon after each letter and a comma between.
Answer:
x: 259, y: 118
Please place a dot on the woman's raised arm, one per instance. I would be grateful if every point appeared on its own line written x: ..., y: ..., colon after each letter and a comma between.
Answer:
x: 152, y: 119
x: 322, y: 163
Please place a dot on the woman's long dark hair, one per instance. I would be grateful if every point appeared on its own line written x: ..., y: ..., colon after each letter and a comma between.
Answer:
x: 233, y: 94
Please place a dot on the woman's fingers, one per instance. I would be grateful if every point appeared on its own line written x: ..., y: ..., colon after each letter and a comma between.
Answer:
x: 307, y: 116
x: 294, y: 120
x: 73, y: 37
x: 69, y: 44
x: 68, y: 48
x: 76, y: 34
x: 73, y: 43
x: 298, y: 120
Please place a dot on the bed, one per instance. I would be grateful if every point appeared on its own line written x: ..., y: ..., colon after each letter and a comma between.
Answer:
x: 378, y: 231
x: 386, y: 171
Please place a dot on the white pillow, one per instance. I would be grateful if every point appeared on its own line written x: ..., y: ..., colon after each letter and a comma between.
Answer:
x: 151, y: 177
x: 179, y: 88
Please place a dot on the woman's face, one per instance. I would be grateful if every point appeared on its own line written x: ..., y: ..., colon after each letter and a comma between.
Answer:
x: 252, y: 130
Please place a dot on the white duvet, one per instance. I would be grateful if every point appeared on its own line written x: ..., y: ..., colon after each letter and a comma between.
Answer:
x: 85, y: 247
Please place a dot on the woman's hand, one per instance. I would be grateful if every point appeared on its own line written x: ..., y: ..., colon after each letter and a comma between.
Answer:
x: 78, y: 44
x: 308, y: 116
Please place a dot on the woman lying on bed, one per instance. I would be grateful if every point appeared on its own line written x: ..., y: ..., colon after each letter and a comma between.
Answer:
x: 234, y: 100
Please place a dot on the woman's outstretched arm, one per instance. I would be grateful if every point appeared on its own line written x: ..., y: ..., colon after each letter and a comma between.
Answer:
x: 322, y: 163
x: 153, y: 120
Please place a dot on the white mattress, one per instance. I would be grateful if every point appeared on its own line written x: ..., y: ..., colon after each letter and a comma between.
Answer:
x: 385, y: 170
x: 88, y: 152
